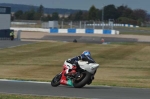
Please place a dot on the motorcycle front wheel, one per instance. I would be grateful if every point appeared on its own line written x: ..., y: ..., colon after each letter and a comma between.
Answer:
x: 56, y: 80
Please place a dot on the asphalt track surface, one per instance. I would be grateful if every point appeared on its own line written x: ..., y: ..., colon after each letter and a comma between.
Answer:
x: 45, y: 89
x: 9, y: 44
x: 83, y: 39
x: 88, y: 92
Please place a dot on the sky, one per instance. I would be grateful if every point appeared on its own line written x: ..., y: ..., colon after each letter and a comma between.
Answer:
x: 83, y: 4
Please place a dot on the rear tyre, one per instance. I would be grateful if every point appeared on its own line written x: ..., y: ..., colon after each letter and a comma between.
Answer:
x: 82, y: 81
x: 56, y: 80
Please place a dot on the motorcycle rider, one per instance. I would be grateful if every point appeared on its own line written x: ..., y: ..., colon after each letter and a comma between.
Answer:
x: 71, y: 63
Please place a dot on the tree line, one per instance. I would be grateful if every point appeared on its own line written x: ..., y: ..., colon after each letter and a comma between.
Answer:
x: 33, y: 14
x: 121, y: 14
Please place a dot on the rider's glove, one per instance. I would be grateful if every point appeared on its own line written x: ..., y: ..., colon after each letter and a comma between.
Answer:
x: 69, y: 60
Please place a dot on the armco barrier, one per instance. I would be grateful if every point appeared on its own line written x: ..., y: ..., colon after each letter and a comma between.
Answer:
x: 53, y: 30
x: 62, y: 31
x: 71, y: 30
x: 89, y: 31
x: 98, y: 31
x: 81, y: 31
x: 107, y: 32
x: 85, y: 31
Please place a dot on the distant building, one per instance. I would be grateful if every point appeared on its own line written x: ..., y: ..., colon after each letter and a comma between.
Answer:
x: 5, y: 22
x: 5, y: 17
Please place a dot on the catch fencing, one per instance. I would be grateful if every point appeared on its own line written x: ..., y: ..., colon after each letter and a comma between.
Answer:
x: 87, y: 25
x: 69, y: 24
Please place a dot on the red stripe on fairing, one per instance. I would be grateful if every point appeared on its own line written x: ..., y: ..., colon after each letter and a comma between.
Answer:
x: 63, y: 80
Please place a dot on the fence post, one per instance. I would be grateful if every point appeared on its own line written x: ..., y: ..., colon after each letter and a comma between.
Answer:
x: 62, y: 25
x: 80, y: 25
x: 71, y: 24
x: 93, y: 24
x: 85, y: 24
x: 19, y: 35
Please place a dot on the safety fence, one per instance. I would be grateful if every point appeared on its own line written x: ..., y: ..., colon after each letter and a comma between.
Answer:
x: 70, y: 24
x: 70, y: 30
x: 30, y: 29
x: 84, y: 31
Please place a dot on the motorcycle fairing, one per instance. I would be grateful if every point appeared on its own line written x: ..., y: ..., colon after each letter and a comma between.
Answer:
x: 64, y: 80
x: 90, y: 67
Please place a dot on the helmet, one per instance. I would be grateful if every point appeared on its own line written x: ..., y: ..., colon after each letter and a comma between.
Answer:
x: 87, y: 53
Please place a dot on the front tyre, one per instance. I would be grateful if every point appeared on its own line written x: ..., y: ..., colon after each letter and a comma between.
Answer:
x: 56, y: 80
x: 82, y: 81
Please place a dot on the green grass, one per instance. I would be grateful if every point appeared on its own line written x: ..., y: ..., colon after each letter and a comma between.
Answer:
x: 135, y: 33
x: 121, y: 64
x: 144, y: 28
x: 135, y: 28
x: 13, y: 96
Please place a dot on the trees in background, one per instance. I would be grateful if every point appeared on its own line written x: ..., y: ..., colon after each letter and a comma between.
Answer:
x: 32, y: 14
x: 93, y: 13
x: 121, y: 14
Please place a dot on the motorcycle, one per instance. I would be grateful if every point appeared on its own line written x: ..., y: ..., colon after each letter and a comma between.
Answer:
x: 84, y: 75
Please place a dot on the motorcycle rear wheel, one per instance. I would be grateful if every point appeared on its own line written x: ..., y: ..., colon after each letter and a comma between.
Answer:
x: 82, y: 81
x: 56, y: 80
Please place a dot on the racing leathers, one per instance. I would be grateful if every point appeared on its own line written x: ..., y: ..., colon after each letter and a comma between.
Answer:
x: 72, y: 63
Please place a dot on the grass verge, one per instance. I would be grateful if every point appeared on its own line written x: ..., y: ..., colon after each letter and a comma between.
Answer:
x: 124, y: 64
x: 135, y: 33
x: 13, y: 96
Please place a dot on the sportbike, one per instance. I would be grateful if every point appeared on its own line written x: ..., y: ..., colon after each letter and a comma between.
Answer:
x: 84, y: 75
